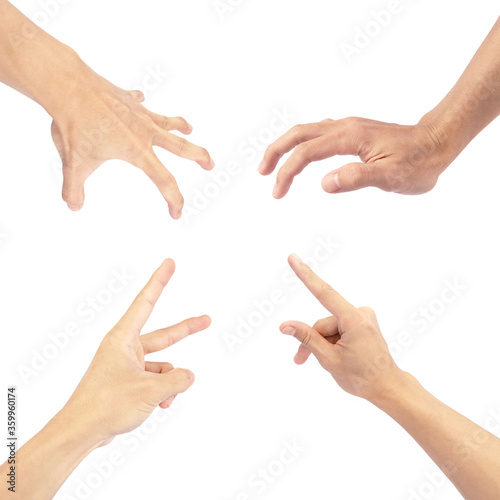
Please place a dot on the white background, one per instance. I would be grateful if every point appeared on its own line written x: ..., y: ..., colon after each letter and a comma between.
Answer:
x: 226, y: 76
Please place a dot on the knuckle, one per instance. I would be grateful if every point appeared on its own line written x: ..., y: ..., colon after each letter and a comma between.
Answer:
x: 183, y: 146
x: 306, y: 338
x: 270, y: 152
x: 365, y: 323
x: 184, y: 378
x: 297, y: 130
x: 284, y: 176
x: 180, y: 202
x: 367, y: 310
x: 351, y: 122
x: 144, y: 297
x: 204, y: 155
x: 163, y: 121
x: 168, y: 181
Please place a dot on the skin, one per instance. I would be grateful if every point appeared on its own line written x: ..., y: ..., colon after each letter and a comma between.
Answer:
x: 93, y: 120
x: 350, y: 346
x: 117, y: 394
x: 405, y: 159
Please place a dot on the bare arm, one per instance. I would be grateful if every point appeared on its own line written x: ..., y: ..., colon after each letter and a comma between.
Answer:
x: 468, y: 454
x: 117, y: 394
x: 93, y: 120
x: 350, y: 345
x: 406, y: 159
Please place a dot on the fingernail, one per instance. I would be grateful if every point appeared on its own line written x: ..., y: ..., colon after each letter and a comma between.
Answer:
x: 296, y: 258
x: 74, y: 207
x: 177, y: 215
x: 212, y: 163
x: 260, y: 167
x: 288, y: 330
x: 331, y: 183
x: 190, y: 128
x: 275, y: 191
x: 191, y: 375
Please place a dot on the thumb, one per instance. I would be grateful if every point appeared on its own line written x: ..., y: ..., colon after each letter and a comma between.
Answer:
x: 349, y: 178
x: 310, y: 338
x: 72, y: 192
x: 172, y: 383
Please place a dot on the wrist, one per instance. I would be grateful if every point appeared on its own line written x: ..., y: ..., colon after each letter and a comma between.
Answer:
x: 44, y: 69
x: 401, y: 386
x: 48, y: 459
x: 76, y: 431
x: 446, y: 129
x: 64, y: 72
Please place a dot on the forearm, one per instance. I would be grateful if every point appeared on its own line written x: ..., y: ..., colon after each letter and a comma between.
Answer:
x: 35, y: 63
x: 466, y: 453
x: 45, y: 462
x: 473, y: 102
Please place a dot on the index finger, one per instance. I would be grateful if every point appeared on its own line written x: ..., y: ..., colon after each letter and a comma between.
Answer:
x: 142, y: 306
x: 289, y: 140
x: 327, y: 296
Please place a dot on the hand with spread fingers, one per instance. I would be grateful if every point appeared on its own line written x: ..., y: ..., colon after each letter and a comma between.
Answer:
x: 119, y: 373
x: 398, y: 158
x: 350, y: 346
x: 93, y: 120
x: 105, y: 122
x: 117, y: 394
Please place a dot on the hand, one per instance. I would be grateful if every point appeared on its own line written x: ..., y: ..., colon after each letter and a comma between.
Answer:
x: 120, y: 389
x: 348, y: 344
x: 402, y: 159
x: 98, y: 122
